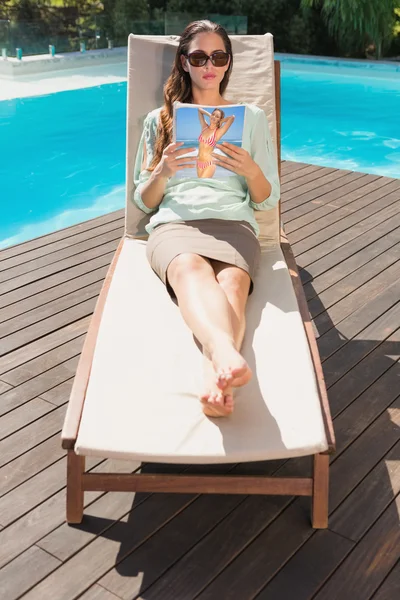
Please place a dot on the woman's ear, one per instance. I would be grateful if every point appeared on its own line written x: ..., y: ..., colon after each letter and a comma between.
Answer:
x: 184, y: 63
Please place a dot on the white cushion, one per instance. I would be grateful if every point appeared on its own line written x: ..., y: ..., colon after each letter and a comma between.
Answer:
x: 142, y: 399
x: 150, y: 59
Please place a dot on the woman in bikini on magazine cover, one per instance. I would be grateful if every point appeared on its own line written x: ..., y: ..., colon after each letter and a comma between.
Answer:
x: 203, y: 241
x: 211, y: 134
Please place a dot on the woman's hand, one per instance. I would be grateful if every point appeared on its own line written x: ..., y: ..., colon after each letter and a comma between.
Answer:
x: 172, y: 161
x: 237, y: 160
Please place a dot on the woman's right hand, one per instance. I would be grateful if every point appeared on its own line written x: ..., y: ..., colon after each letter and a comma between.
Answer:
x: 172, y: 161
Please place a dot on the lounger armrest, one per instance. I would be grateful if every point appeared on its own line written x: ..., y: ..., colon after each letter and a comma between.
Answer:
x: 303, y: 307
x: 78, y: 392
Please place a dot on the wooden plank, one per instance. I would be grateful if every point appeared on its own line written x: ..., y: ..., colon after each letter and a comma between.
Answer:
x: 38, y: 431
x: 355, y: 280
x: 22, y: 416
x: 187, y: 567
x: 34, y: 387
x: 351, y: 264
x: 48, y: 482
x: 334, y: 339
x: 100, y: 516
x: 4, y: 387
x: 360, y: 193
x: 369, y: 499
x: 27, y: 465
x: 199, y: 484
x: 364, y: 454
x: 47, y: 297
x: 58, y: 235
x: 334, y: 229
x: 366, y: 567
x: 38, y: 330
x: 391, y: 212
x: 307, y: 175
x: 32, y: 492
x: 247, y: 573
x: 46, y: 361
x: 341, y: 310
x: 50, y: 309
x: 365, y: 373
x: 367, y: 407
x: 289, y: 166
x: 325, y: 198
x: 59, y: 394
x: 38, y: 348
x: 27, y: 530
x: 23, y: 296
x: 53, y: 259
x: 67, y: 263
x: 25, y: 571
x: 336, y: 257
x: 38, y: 255
x: 85, y: 568
x: 391, y: 586
x: 98, y: 593
x: 309, y: 568
x: 296, y: 174
x: 370, y: 338
x: 312, y: 190
x: 361, y: 345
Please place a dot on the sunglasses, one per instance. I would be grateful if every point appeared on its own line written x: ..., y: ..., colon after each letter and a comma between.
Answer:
x: 200, y: 58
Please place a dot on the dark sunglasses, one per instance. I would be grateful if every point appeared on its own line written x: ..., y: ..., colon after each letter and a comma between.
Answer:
x: 199, y: 58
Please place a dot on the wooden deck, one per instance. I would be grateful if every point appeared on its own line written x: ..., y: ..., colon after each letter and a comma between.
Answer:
x: 345, y: 232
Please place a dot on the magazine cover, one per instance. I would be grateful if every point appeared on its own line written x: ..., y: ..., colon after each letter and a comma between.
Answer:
x: 202, y: 128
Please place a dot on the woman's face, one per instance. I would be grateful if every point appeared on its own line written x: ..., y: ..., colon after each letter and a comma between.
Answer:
x: 216, y: 118
x: 207, y: 77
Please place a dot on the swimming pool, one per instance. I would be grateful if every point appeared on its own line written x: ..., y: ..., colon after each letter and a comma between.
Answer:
x: 63, y: 154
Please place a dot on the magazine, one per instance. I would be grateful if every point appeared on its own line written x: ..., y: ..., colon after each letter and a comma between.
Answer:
x: 202, y: 128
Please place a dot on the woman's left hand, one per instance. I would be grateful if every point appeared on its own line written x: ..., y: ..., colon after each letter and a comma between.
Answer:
x: 237, y: 160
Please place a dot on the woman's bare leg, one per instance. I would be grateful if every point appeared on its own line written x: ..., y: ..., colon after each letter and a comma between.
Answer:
x: 236, y: 284
x: 206, y: 310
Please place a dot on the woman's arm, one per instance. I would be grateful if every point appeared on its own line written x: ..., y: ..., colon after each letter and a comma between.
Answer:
x: 263, y: 154
x: 221, y: 131
x: 153, y: 189
x: 202, y: 120
x: 259, y: 187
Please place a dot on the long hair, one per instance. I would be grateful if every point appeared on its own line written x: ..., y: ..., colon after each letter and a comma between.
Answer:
x: 178, y: 87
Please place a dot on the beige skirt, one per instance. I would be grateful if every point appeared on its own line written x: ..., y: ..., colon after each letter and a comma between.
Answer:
x: 231, y: 242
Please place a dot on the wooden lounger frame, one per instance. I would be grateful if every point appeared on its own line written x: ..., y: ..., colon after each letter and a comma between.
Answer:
x: 78, y: 481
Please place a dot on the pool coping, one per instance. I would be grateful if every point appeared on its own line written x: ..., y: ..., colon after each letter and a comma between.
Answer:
x: 13, y: 68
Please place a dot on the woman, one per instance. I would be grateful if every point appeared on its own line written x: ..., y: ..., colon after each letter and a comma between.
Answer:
x: 210, y: 135
x: 203, y: 234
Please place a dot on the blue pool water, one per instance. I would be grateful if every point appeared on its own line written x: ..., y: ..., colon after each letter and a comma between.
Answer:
x: 63, y: 155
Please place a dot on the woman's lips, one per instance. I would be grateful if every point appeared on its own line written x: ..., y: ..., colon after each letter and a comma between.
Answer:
x: 208, y: 76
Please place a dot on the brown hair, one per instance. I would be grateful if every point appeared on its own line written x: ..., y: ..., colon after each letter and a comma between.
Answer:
x: 178, y: 87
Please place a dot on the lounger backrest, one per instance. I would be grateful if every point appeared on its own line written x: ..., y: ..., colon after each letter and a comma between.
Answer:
x: 149, y: 63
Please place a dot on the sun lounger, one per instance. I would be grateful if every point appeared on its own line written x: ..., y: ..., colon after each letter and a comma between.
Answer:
x: 136, y: 390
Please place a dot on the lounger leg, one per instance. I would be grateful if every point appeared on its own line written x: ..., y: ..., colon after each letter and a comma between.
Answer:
x: 75, y: 469
x: 320, y: 491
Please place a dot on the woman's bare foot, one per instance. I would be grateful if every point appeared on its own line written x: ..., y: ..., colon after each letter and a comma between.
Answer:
x: 216, y: 402
x: 230, y: 367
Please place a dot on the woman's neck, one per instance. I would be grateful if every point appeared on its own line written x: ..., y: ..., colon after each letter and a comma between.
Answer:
x: 207, y: 97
